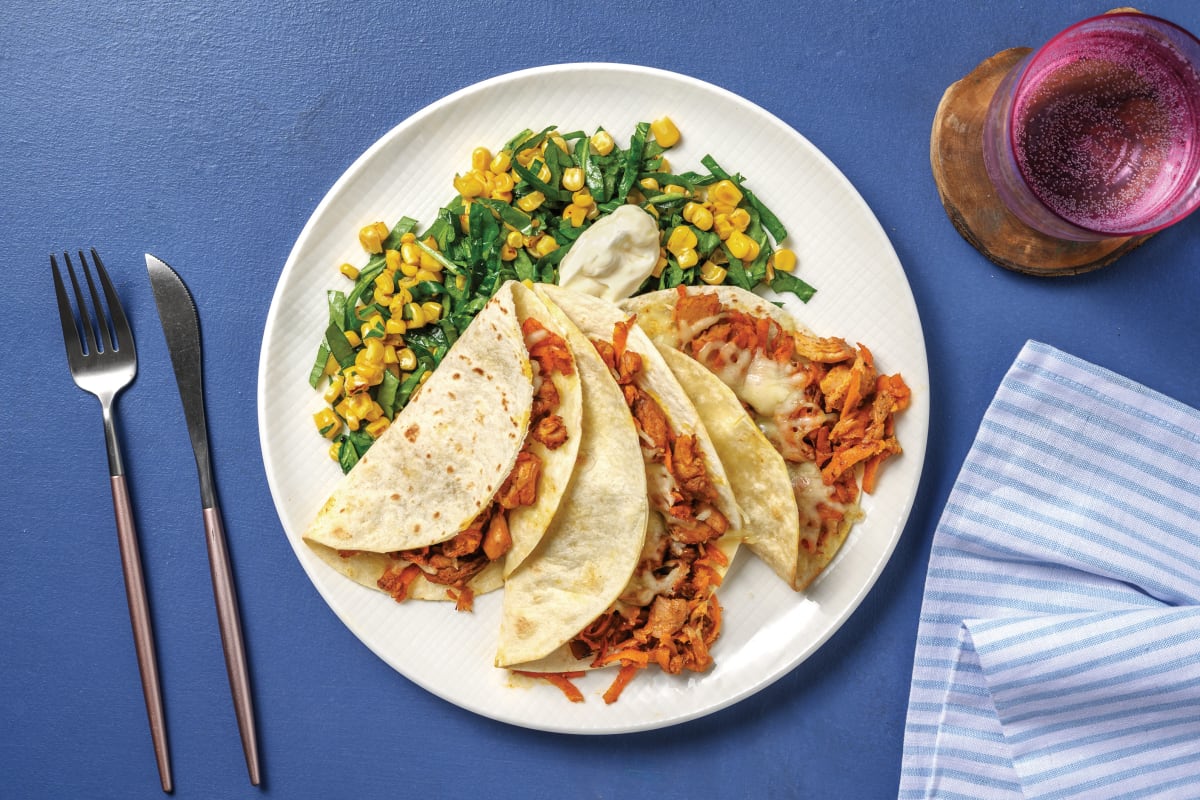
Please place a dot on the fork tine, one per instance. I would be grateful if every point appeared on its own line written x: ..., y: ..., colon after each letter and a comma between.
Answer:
x: 120, y: 325
x: 66, y: 316
x: 85, y: 322
x: 103, y: 332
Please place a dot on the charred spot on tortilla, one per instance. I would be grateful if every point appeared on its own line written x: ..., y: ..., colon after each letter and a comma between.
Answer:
x: 394, y: 496
x: 411, y: 432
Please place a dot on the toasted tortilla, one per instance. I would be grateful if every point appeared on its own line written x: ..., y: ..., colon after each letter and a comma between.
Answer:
x: 440, y: 462
x: 593, y: 544
x: 596, y: 319
x: 819, y: 539
x: 757, y: 473
x: 642, y: 586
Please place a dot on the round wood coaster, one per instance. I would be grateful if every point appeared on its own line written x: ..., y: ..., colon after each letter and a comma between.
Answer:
x: 956, y: 155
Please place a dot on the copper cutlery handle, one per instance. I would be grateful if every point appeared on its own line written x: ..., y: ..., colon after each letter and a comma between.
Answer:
x: 143, y: 633
x: 229, y: 621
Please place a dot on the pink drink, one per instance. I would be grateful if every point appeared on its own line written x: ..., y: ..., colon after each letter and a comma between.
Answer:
x: 1102, y: 129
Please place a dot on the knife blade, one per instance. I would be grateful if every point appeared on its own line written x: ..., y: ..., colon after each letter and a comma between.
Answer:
x: 181, y: 326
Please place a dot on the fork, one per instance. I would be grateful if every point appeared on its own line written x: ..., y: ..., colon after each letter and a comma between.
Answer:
x: 103, y: 361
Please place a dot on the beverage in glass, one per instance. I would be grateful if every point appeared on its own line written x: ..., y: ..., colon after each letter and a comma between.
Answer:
x: 1097, y: 133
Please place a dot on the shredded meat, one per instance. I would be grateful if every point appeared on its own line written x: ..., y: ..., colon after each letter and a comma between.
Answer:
x: 690, y: 470
x: 550, y: 431
x: 650, y: 417
x: 691, y: 308
x: 520, y: 487
x: 667, y: 616
x: 545, y: 399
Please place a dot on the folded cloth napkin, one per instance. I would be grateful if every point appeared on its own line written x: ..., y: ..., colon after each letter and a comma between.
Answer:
x: 1058, y: 652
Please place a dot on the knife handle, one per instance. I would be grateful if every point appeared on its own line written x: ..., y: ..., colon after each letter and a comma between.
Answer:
x: 228, y: 620
x: 143, y: 632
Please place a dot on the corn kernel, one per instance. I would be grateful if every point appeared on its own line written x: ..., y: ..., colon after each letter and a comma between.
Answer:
x: 574, y: 214
x: 649, y: 184
x: 410, y: 253
x: 331, y: 365
x: 481, y: 157
x: 711, y: 274
x: 543, y: 173
x: 674, y: 188
x: 377, y: 427
x: 334, y: 390
x: 661, y: 264
x: 583, y: 198
x: 545, y: 246
x: 702, y: 218
x: 432, y: 309
x: 725, y: 191
x: 353, y: 338
x: 602, y: 142
x: 406, y: 359
x: 414, y: 316
x: 526, y: 156
x: 429, y: 274
x: 349, y: 271
x: 682, y: 238
x: 384, y: 281
x: 335, y: 451
x: 739, y: 218
x: 572, y: 179
x: 665, y: 132
x: 531, y: 201
x: 502, y: 183
x: 515, y: 239
x: 507, y: 252
x: 395, y: 326
x: 468, y: 185
x: 328, y: 424
x: 722, y: 226
x: 371, y: 237
x: 784, y: 259
x: 741, y: 246
x: 501, y: 162
x: 687, y: 257
x: 663, y: 164
x: 558, y: 140
x: 408, y: 237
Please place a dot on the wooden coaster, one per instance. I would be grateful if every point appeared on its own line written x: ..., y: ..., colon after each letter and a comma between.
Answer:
x: 956, y: 155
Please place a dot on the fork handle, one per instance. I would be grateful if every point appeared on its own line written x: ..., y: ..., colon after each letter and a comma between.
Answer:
x: 229, y: 622
x: 143, y: 633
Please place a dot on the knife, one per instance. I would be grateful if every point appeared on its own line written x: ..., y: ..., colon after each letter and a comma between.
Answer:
x: 181, y: 325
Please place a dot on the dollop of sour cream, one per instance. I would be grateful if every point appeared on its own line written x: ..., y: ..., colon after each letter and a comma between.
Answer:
x: 612, y: 257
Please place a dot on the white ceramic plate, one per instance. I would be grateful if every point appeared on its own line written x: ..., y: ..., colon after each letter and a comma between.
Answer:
x: 862, y: 296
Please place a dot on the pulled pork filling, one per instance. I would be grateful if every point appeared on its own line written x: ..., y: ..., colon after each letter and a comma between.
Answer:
x: 454, y: 562
x: 668, y: 614
x: 819, y: 401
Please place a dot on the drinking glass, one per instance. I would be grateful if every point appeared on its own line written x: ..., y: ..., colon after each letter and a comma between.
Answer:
x: 1097, y: 134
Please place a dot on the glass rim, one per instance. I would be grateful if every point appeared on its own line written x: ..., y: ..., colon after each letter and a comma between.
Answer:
x: 1033, y: 57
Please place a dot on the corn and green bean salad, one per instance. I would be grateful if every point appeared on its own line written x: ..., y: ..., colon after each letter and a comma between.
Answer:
x: 515, y: 214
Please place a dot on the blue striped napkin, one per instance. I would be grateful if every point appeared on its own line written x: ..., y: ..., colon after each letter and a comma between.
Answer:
x: 1058, y: 653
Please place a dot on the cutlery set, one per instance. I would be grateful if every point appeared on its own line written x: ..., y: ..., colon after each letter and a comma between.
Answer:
x: 102, y: 358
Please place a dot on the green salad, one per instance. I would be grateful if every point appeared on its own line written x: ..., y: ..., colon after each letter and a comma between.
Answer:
x: 515, y: 215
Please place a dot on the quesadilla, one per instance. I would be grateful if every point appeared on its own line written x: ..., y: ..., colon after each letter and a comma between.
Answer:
x: 819, y: 401
x: 666, y: 612
x: 461, y: 486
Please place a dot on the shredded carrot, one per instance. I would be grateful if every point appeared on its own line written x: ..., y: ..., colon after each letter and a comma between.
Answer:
x: 560, y: 679
x: 639, y: 657
x: 624, y: 676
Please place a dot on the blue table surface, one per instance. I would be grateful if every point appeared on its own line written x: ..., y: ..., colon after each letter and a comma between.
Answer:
x: 206, y: 133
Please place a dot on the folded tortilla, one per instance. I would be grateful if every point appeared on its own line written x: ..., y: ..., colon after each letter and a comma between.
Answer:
x: 757, y: 473
x: 593, y: 544
x: 658, y: 583
x: 443, y: 459
x: 781, y: 401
